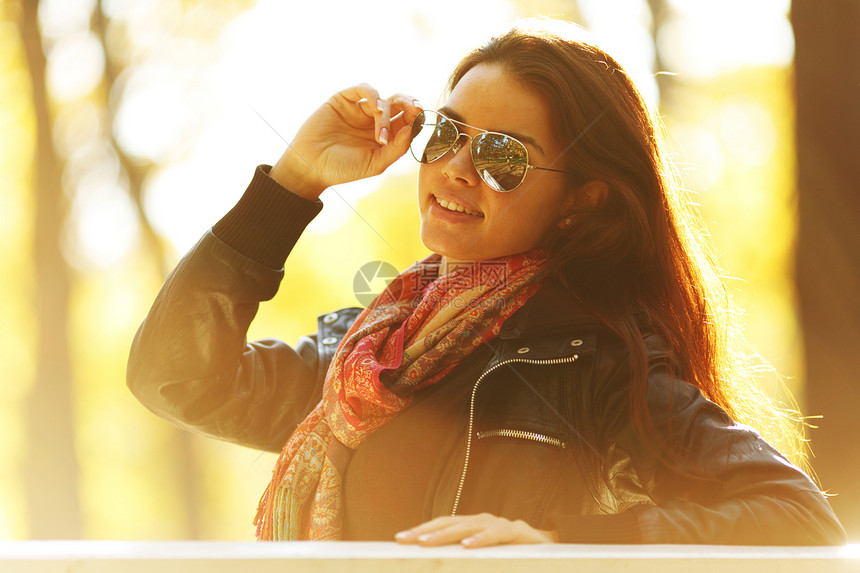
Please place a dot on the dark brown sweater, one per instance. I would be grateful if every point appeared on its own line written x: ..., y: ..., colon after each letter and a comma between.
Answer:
x: 387, y: 485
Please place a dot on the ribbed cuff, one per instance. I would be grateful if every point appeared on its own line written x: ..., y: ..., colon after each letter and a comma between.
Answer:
x: 267, y: 221
x: 621, y: 528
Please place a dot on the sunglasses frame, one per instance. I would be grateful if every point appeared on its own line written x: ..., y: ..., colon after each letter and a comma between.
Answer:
x: 457, y: 145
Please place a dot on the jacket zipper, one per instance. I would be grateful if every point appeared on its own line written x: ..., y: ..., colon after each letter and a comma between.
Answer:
x: 522, y: 435
x: 472, y: 414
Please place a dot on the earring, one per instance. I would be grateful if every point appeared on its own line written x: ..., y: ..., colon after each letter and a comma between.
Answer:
x: 567, y: 222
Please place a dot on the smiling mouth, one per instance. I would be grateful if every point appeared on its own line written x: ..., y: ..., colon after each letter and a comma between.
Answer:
x: 452, y: 206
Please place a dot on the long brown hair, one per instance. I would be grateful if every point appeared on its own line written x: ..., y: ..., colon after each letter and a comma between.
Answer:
x: 642, y: 252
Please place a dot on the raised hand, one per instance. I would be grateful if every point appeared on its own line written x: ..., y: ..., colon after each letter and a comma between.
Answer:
x: 353, y: 135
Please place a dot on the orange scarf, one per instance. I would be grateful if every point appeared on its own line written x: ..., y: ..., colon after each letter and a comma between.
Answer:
x: 410, y: 337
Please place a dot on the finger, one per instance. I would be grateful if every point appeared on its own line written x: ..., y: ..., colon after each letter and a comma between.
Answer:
x: 411, y: 535
x: 397, y: 146
x: 454, y: 529
x: 360, y: 98
x: 382, y: 121
x: 361, y: 94
x: 505, y: 531
x: 498, y: 535
x: 453, y: 533
x: 404, y: 108
x: 397, y: 111
x: 431, y: 525
x: 384, y: 155
x: 400, y: 120
x: 407, y: 103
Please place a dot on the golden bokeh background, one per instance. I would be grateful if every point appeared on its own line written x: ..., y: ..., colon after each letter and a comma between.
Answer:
x: 157, y: 113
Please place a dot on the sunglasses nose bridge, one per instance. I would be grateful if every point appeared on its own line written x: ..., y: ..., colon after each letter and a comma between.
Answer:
x: 458, y: 143
x: 467, y: 162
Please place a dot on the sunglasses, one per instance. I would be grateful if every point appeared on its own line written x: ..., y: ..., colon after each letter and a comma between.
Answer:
x: 501, y: 161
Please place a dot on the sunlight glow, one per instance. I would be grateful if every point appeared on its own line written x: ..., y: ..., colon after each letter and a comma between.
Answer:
x: 184, y: 200
x: 701, y: 160
x: 621, y: 28
x: 282, y: 60
x: 75, y: 66
x: 704, y: 39
x: 206, y: 91
x: 64, y: 17
x: 76, y: 126
x: 102, y: 227
x: 340, y: 201
x: 153, y: 116
x: 14, y: 207
x: 748, y: 131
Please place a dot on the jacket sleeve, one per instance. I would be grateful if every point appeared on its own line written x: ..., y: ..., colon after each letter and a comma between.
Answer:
x: 190, y: 362
x: 724, y: 484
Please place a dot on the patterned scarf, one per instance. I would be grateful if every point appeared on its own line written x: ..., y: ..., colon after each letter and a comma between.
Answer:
x: 411, y: 336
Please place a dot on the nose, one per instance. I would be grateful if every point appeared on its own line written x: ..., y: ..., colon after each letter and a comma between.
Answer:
x: 459, y: 166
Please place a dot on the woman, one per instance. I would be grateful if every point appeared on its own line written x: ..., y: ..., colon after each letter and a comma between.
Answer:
x: 560, y: 369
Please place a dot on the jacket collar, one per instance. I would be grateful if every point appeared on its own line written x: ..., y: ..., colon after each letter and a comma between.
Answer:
x: 550, y: 310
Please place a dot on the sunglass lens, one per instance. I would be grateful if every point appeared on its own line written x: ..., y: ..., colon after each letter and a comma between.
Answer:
x: 500, y: 160
x: 432, y: 136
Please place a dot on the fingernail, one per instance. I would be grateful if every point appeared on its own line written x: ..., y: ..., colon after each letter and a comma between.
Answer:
x: 383, y: 136
x: 403, y: 535
x: 379, y: 105
x: 425, y: 537
x: 469, y: 541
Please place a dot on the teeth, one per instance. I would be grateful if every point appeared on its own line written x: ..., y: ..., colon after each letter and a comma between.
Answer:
x: 451, y: 206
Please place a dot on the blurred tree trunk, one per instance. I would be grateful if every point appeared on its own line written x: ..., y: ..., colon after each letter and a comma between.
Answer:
x: 183, y: 459
x: 136, y: 171
x: 827, y: 67
x: 51, y: 467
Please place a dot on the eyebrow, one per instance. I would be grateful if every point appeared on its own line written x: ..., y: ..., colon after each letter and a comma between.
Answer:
x: 451, y: 114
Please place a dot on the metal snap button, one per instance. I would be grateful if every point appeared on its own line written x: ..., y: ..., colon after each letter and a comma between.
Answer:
x: 329, y: 318
x: 329, y: 340
x: 576, y: 342
x: 523, y: 350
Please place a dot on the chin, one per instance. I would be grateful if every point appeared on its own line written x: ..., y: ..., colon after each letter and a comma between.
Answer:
x: 444, y: 248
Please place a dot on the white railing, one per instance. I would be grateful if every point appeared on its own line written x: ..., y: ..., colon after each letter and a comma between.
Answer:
x: 385, y: 557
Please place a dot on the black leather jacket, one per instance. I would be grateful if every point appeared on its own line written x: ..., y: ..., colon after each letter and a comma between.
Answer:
x: 549, y: 429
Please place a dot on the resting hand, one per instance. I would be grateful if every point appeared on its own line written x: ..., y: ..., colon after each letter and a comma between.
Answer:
x: 351, y: 136
x: 480, y: 530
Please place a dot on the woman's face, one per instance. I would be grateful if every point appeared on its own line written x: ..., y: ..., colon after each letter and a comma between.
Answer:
x: 501, y: 224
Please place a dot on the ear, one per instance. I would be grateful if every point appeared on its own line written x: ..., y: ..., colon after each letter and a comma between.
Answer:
x: 590, y: 195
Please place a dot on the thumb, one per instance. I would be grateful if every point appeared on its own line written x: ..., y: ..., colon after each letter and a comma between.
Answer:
x: 397, y: 147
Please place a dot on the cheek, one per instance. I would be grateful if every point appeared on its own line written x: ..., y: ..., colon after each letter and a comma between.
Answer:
x: 524, y: 228
x: 424, y: 190
x: 425, y: 176
x: 530, y: 224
